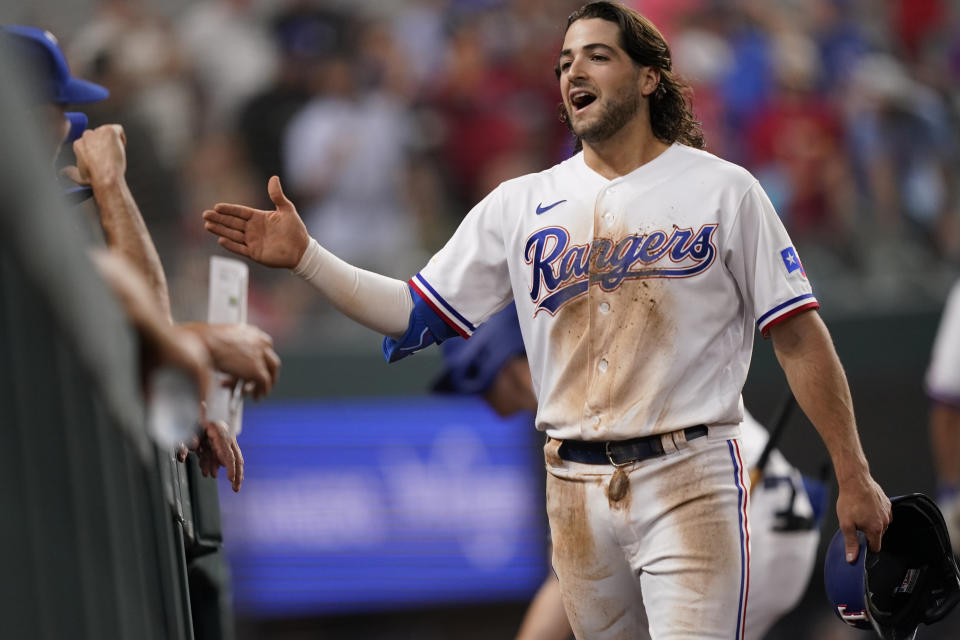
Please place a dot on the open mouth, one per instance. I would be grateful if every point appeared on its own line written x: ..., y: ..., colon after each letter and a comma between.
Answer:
x: 580, y: 99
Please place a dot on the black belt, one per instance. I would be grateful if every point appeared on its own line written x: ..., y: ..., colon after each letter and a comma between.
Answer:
x: 620, y: 452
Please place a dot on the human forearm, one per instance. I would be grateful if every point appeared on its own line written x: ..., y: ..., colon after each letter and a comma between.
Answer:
x: 102, y: 163
x: 377, y: 302
x: 806, y: 354
x: 945, y: 441
x: 167, y: 343
x: 127, y: 233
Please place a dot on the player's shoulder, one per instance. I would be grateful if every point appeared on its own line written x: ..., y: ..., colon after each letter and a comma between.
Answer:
x: 700, y: 160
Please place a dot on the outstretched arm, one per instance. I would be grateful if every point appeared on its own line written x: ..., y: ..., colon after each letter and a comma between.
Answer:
x: 279, y: 238
x: 805, y: 351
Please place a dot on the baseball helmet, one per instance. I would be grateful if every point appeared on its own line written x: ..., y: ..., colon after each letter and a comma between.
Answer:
x: 913, y: 579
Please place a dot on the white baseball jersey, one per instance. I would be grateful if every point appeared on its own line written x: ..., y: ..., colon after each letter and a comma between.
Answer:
x: 637, y: 296
x: 943, y: 376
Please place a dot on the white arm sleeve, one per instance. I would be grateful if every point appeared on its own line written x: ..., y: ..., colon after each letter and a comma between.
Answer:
x: 377, y: 302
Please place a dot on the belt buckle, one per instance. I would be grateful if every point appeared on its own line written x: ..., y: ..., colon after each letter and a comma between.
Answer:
x: 606, y: 449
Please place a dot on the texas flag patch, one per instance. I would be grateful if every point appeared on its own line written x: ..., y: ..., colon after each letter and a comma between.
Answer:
x: 791, y: 261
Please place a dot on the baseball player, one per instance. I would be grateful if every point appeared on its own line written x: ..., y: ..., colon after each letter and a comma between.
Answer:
x: 943, y: 388
x: 784, y: 518
x: 639, y: 268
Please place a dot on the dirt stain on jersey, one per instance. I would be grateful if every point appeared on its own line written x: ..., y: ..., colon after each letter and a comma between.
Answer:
x: 637, y: 338
x: 570, y: 341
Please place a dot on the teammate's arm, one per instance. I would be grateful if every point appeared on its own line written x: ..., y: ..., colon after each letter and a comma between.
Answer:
x: 806, y: 354
x: 102, y: 163
x: 279, y: 238
x: 167, y: 343
x: 945, y: 440
x: 172, y: 345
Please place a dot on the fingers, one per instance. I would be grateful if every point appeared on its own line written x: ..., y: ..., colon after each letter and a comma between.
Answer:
x: 74, y: 174
x: 181, y: 452
x: 276, y: 194
x: 266, y: 375
x: 219, y: 438
x: 225, y: 232
x: 262, y: 384
x: 273, y: 365
x: 203, y: 459
x: 238, y: 464
x: 212, y: 466
x: 851, y: 542
x: 235, y: 247
x: 227, y: 220
x: 875, y: 531
x: 237, y: 210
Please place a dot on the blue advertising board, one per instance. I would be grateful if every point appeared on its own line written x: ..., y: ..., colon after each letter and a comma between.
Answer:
x: 378, y: 503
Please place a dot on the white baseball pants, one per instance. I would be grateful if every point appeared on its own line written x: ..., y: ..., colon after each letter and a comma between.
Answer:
x: 679, y: 536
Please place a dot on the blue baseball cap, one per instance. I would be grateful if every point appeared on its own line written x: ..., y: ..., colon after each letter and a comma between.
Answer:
x: 48, y: 67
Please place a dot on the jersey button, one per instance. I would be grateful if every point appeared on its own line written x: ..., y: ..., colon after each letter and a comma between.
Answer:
x: 604, y: 307
x: 595, y: 421
x: 602, y: 365
x: 608, y: 218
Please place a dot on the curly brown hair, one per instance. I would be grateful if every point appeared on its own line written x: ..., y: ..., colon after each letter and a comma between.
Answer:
x: 671, y: 113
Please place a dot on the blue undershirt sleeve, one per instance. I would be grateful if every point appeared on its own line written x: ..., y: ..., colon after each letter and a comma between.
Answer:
x: 426, y: 327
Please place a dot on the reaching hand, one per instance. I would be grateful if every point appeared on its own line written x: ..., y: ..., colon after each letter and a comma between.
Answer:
x: 275, y: 238
x: 216, y: 448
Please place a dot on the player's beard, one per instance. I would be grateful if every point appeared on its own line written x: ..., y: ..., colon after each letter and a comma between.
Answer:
x: 616, y: 113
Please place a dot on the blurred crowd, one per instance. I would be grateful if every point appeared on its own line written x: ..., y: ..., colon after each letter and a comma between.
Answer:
x: 387, y: 121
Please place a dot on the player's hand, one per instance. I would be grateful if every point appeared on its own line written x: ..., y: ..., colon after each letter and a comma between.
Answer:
x: 243, y: 352
x: 275, y: 238
x: 101, y: 156
x: 216, y: 448
x: 862, y: 506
